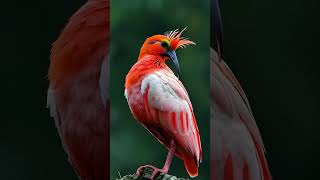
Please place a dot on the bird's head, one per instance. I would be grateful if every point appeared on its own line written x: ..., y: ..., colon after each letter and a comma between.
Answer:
x: 165, y: 46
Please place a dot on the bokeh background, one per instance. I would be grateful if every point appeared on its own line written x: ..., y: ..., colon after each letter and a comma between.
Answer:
x: 30, y: 147
x: 272, y: 47
x: 131, y: 23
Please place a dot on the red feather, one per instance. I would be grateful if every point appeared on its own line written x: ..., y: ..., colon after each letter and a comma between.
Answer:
x: 177, y: 41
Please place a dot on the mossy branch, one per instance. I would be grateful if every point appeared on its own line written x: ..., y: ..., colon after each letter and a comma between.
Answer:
x: 147, y: 174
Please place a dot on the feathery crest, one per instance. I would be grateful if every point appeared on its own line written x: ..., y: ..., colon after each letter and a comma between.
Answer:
x: 177, y: 41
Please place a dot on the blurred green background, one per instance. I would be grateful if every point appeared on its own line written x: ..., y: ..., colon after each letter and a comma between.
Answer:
x: 131, y: 23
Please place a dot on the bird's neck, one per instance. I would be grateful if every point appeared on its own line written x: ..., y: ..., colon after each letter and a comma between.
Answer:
x: 144, y: 66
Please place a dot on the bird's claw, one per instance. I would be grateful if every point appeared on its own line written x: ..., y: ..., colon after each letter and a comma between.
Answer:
x: 155, y: 171
x: 141, y: 169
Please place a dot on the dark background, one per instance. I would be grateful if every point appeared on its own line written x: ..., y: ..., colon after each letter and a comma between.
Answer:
x: 272, y: 47
x: 30, y: 147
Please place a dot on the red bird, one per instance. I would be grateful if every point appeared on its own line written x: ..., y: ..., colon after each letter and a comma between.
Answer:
x: 159, y: 101
x: 78, y: 93
x: 237, y: 150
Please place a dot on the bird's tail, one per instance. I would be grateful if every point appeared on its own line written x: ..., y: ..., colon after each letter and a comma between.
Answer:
x: 191, y: 165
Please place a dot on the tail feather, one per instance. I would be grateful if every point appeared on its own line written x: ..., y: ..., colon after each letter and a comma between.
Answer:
x: 191, y: 166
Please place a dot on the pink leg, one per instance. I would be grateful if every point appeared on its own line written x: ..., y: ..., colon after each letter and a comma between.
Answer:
x: 166, y: 166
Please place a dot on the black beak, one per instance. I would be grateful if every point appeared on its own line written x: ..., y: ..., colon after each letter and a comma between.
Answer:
x: 173, y: 56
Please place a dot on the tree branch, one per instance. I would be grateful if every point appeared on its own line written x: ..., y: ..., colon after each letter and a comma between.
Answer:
x: 147, y: 174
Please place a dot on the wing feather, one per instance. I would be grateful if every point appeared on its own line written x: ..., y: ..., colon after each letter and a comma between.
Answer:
x: 237, y: 145
x: 77, y: 102
x: 171, y: 109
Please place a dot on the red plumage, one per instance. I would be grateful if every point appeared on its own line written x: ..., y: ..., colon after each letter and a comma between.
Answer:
x: 78, y: 95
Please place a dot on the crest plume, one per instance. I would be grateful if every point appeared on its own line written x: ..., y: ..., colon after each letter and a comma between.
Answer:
x: 176, y: 40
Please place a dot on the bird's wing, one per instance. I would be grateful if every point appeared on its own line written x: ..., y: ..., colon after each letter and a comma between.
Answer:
x: 167, y: 104
x: 74, y: 95
x: 237, y: 147
x: 104, y: 82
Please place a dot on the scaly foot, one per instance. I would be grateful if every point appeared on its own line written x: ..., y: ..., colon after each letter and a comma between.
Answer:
x: 155, y: 171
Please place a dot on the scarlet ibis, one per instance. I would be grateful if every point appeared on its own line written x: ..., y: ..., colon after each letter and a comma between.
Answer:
x: 78, y: 93
x: 237, y: 150
x: 160, y: 102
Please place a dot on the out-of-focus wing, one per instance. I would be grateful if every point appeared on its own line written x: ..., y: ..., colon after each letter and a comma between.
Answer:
x: 236, y: 144
x: 104, y: 82
x: 75, y: 98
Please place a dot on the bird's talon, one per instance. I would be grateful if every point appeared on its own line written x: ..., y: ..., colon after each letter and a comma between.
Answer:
x: 141, y: 169
x: 155, y: 171
x: 154, y: 174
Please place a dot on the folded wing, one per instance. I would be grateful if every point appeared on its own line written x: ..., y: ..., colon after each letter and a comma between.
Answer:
x: 170, y: 111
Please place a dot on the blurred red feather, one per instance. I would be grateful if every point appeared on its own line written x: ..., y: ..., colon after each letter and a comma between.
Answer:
x: 78, y: 94
x: 237, y: 149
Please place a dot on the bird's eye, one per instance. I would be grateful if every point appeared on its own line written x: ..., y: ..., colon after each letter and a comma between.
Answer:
x: 164, y: 44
